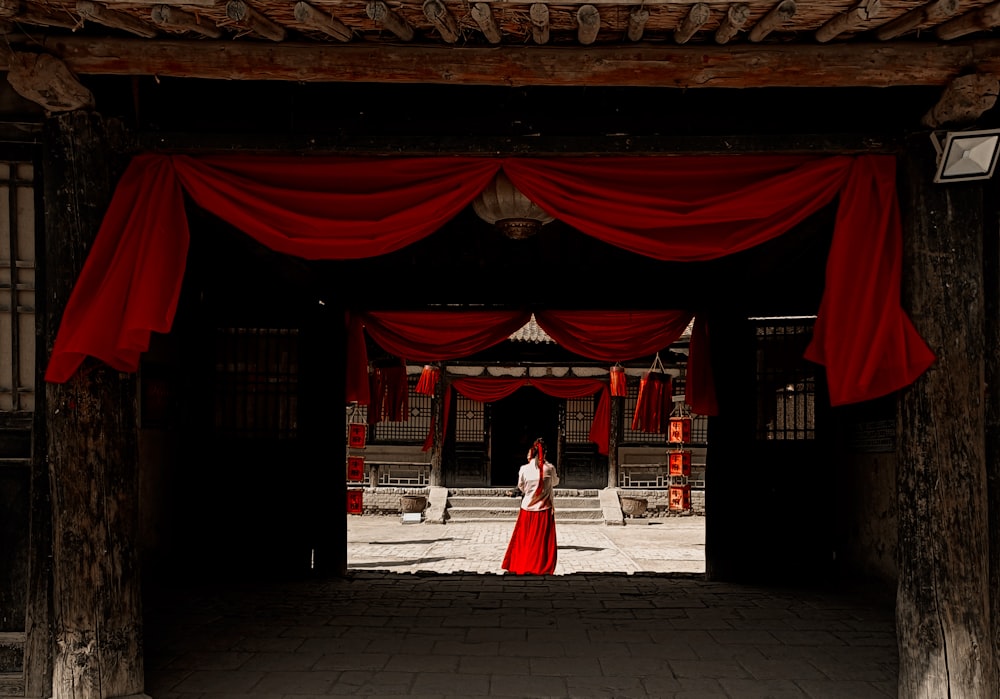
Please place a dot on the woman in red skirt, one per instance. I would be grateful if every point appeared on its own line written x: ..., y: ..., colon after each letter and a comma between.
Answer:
x: 532, y: 547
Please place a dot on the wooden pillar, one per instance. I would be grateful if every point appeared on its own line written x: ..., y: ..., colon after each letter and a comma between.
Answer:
x: 323, y: 397
x: 437, y: 438
x: 92, y: 444
x: 991, y: 277
x: 943, y: 603
x: 617, y: 421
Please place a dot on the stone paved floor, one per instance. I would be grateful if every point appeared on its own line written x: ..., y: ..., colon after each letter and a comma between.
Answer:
x: 656, y: 545
x: 400, y: 628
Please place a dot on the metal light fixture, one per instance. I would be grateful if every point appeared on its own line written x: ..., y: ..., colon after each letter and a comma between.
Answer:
x: 505, y: 207
x: 966, y: 155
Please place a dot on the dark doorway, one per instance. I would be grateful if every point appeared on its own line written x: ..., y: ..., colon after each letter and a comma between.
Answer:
x: 516, y: 422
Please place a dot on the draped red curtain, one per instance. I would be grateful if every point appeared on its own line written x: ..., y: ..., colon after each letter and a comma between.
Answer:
x: 668, y: 208
x: 490, y: 389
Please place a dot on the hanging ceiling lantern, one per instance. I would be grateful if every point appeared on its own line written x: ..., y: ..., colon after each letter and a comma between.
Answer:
x: 504, y: 206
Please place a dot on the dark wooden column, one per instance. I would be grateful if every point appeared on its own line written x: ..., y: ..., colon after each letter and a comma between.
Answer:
x: 943, y: 601
x: 321, y: 423
x: 617, y: 421
x: 991, y: 334
x: 92, y: 440
x: 437, y: 437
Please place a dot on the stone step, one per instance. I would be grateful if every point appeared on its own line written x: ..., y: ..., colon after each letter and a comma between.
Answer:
x: 503, y: 501
x: 488, y: 506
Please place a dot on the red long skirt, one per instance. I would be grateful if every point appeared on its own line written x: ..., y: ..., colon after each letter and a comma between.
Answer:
x: 532, y: 547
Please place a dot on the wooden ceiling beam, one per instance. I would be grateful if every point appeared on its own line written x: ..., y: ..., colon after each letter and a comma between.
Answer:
x: 693, y: 21
x: 483, y: 16
x: 874, y: 64
x: 442, y: 19
x: 381, y: 13
x: 637, y: 19
x: 736, y: 16
x: 322, y: 22
x: 173, y: 18
x: 99, y: 14
x: 936, y: 11
x: 588, y: 24
x: 851, y: 21
x: 979, y: 20
x: 539, y: 14
x: 778, y: 15
x: 254, y: 21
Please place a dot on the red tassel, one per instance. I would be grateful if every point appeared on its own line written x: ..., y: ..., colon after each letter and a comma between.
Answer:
x: 618, y: 383
x: 428, y: 380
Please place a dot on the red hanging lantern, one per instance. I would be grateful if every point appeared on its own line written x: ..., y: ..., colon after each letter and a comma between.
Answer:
x: 355, y: 469
x: 357, y: 434
x: 619, y: 385
x: 680, y: 498
x: 428, y: 380
x: 355, y: 501
x: 679, y: 462
x: 680, y: 430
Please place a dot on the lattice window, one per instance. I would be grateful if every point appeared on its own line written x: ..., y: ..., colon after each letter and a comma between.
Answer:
x: 786, y: 382
x: 579, y: 419
x: 17, y: 287
x: 630, y: 436
x: 256, y: 382
x: 470, y: 424
x: 415, y: 428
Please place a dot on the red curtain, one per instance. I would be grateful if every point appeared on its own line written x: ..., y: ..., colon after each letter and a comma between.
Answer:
x: 489, y: 390
x: 668, y: 208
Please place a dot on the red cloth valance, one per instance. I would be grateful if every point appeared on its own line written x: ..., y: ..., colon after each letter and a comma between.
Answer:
x: 668, y: 208
x: 489, y: 390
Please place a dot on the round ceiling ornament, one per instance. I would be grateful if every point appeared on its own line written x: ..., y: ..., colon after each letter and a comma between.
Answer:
x: 505, y: 207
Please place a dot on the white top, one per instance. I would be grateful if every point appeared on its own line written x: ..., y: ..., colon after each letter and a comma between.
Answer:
x: 536, y: 499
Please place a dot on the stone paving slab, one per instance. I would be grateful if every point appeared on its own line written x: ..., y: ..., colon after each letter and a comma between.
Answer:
x: 619, y: 633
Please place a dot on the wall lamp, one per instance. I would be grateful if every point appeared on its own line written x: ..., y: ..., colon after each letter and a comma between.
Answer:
x: 966, y: 155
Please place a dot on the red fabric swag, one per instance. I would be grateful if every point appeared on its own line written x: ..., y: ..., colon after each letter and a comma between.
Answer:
x: 668, y: 208
x: 489, y: 390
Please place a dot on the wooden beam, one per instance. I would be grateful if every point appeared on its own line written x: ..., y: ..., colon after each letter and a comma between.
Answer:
x: 114, y: 19
x: 979, y: 20
x: 778, y: 15
x: 45, y: 80
x: 254, y: 21
x: 438, y: 14
x: 483, y: 16
x: 588, y: 24
x: 379, y: 12
x: 695, y: 19
x: 965, y: 100
x: 539, y: 15
x: 38, y: 17
x: 873, y: 64
x: 173, y: 18
x: 322, y: 22
x: 637, y: 19
x: 933, y: 12
x: 850, y: 21
x: 736, y: 16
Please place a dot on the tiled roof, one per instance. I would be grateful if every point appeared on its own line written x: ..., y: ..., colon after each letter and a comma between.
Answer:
x: 530, y: 332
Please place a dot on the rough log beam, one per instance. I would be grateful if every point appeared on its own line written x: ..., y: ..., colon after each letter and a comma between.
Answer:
x: 964, y: 101
x: 637, y: 19
x: 321, y: 21
x: 251, y: 20
x: 171, y: 17
x: 381, y: 13
x: 851, y: 21
x: 116, y: 20
x: 442, y: 19
x: 982, y: 19
x: 694, y: 21
x: 588, y: 24
x: 779, y: 14
x: 831, y: 65
x: 935, y: 11
x: 483, y: 16
x: 539, y: 14
x: 735, y: 18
